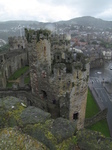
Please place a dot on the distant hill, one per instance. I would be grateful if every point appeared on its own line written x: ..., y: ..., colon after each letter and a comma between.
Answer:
x: 89, y: 21
x: 12, y: 28
x: 15, y: 24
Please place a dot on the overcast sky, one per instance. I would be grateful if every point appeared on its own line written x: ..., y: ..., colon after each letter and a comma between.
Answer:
x: 54, y: 10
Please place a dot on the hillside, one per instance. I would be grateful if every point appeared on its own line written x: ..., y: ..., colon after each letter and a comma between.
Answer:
x: 12, y: 28
x: 90, y: 21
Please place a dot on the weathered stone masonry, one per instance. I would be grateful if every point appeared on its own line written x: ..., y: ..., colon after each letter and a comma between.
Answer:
x: 14, y: 59
x: 57, y: 78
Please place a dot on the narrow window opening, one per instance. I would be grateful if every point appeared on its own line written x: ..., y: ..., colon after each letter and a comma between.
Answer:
x: 54, y: 101
x: 10, y: 71
x: 44, y: 94
x: 63, y: 87
x: 58, y: 57
x: 31, y: 104
x: 75, y: 116
x: 44, y: 48
x: 59, y: 72
x: 44, y: 74
x: 44, y: 51
x: 21, y: 62
x: 52, y: 71
x: 77, y: 75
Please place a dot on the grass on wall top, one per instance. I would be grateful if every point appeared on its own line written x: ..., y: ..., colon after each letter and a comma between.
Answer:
x: 18, y: 73
x: 27, y: 79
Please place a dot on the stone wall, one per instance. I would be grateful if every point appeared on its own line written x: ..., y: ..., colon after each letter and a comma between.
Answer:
x: 40, y: 66
x: 30, y: 99
x: 33, y: 100
x: 78, y: 97
x: 12, y: 61
x: 2, y: 77
x: 17, y: 43
x: 99, y: 116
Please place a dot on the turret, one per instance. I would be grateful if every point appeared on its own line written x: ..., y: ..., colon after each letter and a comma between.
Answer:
x: 16, y: 43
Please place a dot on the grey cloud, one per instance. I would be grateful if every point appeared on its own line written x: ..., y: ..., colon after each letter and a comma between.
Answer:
x: 77, y: 8
x: 83, y: 7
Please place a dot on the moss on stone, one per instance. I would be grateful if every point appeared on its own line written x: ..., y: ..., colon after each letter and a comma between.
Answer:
x: 63, y: 129
x: 33, y: 115
x: 66, y: 145
x: 14, y: 116
x: 43, y: 135
x: 11, y: 139
x: 56, y: 134
x: 52, y: 132
x: 92, y: 140
x: 10, y: 111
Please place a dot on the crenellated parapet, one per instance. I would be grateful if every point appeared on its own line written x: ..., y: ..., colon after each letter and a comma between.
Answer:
x: 17, y: 43
x: 32, y: 35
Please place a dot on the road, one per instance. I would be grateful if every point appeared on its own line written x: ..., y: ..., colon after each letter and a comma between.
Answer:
x: 103, y: 90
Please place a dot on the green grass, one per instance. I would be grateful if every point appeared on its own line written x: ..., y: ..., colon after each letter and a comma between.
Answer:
x: 91, y: 106
x: 18, y: 73
x: 27, y: 80
x: 102, y: 127
x: 91, y: 110
x: 9, y: 84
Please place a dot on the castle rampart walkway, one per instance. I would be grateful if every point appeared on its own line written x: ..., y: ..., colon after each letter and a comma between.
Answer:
x: 26, y: 94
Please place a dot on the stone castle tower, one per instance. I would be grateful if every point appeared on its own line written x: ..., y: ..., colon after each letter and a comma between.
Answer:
x: 58, y: 77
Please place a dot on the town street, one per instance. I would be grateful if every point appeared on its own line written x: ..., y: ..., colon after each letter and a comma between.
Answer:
x: 100, y: 82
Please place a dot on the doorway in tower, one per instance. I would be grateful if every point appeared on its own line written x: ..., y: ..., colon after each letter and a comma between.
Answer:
x: 44, y: 94
x: 75, y: 115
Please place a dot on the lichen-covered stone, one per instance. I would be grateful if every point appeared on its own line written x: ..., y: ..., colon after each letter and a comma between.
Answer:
x: 10, y: 111
x: 13, y: 112
x: 92, y: 140
x: 66, y: 145
x: 63, y: 129
x: 52, y: 132
x: 9, y: 102
x: 11, y: 139
x: 55, y: 134
x: 41, y: 132
x: 33, y: 115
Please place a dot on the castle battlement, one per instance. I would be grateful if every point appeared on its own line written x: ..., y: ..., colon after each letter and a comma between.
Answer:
x: 17, y: 43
